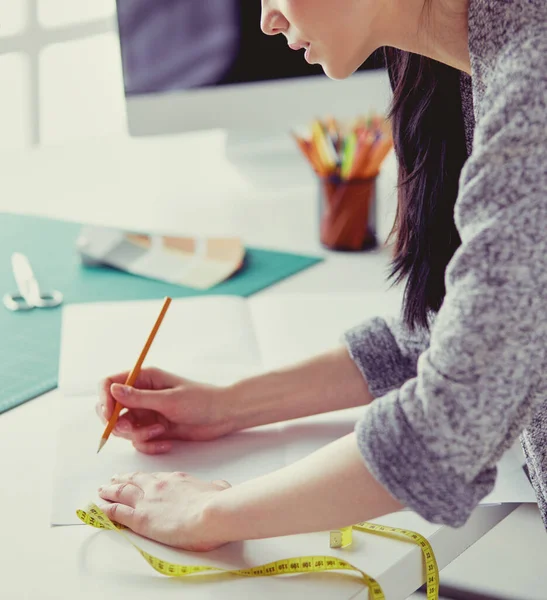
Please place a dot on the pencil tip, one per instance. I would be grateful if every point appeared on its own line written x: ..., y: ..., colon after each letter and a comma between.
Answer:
x: 101, y: 444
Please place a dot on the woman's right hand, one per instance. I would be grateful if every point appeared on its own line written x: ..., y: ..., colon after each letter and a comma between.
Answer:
x: 162, y: 408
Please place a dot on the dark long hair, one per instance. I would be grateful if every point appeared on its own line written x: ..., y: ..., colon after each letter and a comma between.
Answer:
x: 429, y: 142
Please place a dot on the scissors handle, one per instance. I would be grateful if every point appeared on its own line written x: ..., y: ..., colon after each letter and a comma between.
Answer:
x: 16, y: 302
x: 48, y: 299
x: 29, y: 294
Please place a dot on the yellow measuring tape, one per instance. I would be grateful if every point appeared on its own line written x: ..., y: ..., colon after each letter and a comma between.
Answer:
x: 341, y: 538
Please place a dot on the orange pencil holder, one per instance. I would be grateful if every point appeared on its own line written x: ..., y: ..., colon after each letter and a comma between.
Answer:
x: 347, y: 213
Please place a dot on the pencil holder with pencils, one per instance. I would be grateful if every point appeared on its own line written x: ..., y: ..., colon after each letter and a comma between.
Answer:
x: 347, y: 162
x: 346, y: 213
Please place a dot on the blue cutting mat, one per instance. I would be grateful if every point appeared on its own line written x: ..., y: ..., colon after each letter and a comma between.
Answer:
x: 30, y: 341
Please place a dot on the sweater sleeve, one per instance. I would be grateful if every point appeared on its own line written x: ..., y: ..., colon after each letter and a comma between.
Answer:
x: 385, y: 352
x: 434, y: 441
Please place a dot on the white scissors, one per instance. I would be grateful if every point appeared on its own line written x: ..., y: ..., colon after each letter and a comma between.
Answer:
x: 29, y: 295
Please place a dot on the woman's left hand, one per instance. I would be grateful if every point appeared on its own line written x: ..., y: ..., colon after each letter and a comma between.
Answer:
x: 166, y: 507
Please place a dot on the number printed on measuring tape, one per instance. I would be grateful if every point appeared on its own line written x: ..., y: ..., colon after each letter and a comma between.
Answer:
x: 300, y: 564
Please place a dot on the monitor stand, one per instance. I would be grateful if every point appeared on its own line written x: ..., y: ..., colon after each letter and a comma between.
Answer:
x: 268, y: 158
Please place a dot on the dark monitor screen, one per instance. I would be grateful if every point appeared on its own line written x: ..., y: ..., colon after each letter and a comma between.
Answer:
x: 171, y: 45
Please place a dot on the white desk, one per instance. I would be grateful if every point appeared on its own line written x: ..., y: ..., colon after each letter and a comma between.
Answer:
x: 506, y: 564
x: 101, y: 183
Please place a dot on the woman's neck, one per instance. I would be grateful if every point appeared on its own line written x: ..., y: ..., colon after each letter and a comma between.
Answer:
x: 434, y: 28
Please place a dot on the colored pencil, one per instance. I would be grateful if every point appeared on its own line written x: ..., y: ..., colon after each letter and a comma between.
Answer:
x: 346, y: 151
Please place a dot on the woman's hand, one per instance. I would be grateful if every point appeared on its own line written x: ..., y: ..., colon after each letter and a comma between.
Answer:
x: 162, y: 407
x: 170, y: 508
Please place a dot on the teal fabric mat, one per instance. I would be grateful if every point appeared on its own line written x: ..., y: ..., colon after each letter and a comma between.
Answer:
x: 30, y: 341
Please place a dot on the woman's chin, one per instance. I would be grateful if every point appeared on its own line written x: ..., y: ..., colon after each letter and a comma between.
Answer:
x: 336, y: 72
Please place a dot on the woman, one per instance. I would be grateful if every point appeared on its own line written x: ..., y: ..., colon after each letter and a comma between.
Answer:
x: 464, y: 372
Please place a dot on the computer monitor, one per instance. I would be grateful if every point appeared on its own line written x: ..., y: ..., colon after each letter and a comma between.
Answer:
x: 205, y: 64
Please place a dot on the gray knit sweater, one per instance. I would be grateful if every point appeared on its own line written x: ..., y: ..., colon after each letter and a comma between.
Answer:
x: 451, y: 401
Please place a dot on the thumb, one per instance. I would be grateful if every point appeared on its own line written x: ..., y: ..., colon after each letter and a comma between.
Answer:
x: 130, y: 397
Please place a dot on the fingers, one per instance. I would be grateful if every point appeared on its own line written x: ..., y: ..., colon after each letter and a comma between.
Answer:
x: 130, y: 428
x: 154, y: 447
x: 161, y: 401
x: 137, y: 478
x: 106, y: 402
x: 100, y: 410
x: 120, y: 513
x: 222, y: 483
x: 122, y: 493
x: 149, y: 378
x: 123, y: 424
x: 124, y: 428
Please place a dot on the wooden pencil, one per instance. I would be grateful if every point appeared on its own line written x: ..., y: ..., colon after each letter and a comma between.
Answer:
x: 132, y: 377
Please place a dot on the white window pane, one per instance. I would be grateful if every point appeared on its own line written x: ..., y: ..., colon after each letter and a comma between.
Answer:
x: 81, y: 89
x: 15, y: 114
x: 13, y: 16
x: 53, y: 13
